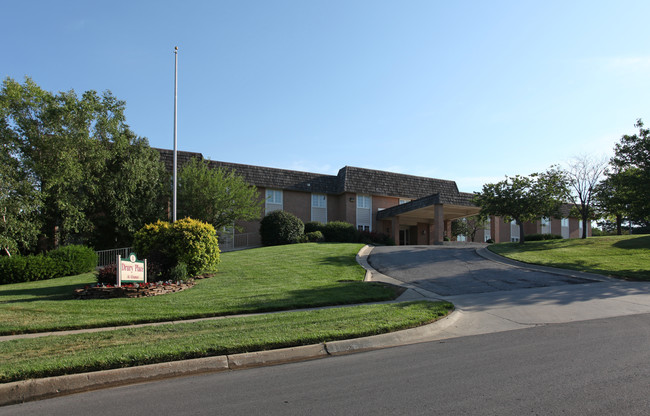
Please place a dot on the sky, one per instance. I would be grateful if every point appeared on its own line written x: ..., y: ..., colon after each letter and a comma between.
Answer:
x: 469, y: 91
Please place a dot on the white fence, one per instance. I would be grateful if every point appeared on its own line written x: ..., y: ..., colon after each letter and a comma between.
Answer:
x: 230, y: 242
x: 106, y: 257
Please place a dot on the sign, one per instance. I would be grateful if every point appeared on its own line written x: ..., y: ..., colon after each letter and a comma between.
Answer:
x: 131, y: 270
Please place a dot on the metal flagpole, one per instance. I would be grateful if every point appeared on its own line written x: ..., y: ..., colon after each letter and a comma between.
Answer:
x: 175, y: 140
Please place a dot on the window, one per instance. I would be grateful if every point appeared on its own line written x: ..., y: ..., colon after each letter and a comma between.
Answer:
x: 273, y: 200
x: 318, y: 201
x: 546, y: 225
x: 404, y: 201
x: 514, y: 232
x: 319, y: 208
x: 564, y: 222
x: 363, y: 201
x: 364, y: 212
x: 273, y: 196
x: 487, y: 234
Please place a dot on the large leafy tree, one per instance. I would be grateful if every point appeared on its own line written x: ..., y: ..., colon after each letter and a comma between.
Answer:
x: 217, y: 196
x: 74, y: 152
x: 583, y: 176
x: 631, y: 172
x: 524, y: 198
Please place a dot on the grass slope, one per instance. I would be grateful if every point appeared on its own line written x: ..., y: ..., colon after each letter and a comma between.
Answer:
x: 257, y: 280
x: 627, y: 257
x: 65, y: 354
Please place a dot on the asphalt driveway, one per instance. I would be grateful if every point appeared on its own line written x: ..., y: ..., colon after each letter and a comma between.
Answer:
x: 458, y: 270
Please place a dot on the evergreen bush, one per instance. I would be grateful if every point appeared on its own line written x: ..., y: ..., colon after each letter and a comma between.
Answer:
x: 312, y: 226
x: 74, y: 259
x: 314, y: 237
x: 281, y: 227
x: 541, y: 237
x: 340, y: 232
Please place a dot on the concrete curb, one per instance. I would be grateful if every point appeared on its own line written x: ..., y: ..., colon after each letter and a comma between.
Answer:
x: 43, y: 388
x: 487, y: 254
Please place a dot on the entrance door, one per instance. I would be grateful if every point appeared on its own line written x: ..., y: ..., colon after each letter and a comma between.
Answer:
x: 404, y: 237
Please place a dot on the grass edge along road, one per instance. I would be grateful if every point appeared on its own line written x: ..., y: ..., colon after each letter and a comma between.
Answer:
x: 265, y: 279
x: 65, y: 354
x: 626, y: 256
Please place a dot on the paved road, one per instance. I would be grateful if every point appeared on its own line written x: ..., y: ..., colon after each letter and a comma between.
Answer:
x: 598, y: 367
x: 450, y: 271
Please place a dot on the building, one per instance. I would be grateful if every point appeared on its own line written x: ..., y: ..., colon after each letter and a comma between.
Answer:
x: 411, y: 209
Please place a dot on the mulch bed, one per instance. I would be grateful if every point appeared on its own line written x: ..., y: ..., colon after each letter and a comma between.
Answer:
x: 131, y: 291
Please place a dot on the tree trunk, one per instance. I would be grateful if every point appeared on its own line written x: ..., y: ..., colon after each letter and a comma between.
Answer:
x: 522, y: 237
x: 619, y: 224
x: 584, y: 227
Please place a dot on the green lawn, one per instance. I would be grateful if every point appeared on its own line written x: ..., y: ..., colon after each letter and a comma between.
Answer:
x: 626, y: 257
x: 257, y: 280
x: 65, y: 354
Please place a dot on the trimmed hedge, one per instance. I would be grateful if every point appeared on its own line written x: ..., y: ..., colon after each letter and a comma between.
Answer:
x: 188, y: 241
x: 281, y: 227
x: 541, y: 237
x: 65, y: 261
x: 340, y: 232
x: 314, y: 237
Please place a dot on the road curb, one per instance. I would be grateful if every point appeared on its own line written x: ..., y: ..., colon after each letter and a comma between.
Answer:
x: 44, y: 388
x: 489, y: 255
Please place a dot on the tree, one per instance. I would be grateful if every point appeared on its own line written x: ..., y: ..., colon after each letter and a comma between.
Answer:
x: 631, y: 167
x: 611, y: 199
x: 583, y: 176
x: 65, y: 148
x: 468, y: 226
x: 216, y: 196
x: 524, y: 198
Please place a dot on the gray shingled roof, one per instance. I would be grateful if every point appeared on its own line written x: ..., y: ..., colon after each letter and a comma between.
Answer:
x: 349, y: 179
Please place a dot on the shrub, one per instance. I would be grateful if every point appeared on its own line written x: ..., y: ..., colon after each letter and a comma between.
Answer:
x: 164, y: 245
x: 314, y: 237
x: 74, y: 259
x: 280, y: 227
x: 489, y: 241
x: 178, y: 273
x: 312, y: 226
x: 17, y: 269
x: 107, y: 275
x: 339, y: 232
x: 540, y: 237
x: 373, y: 237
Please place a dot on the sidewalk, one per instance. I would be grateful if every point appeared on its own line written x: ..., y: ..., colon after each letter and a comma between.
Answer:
x: 475, y: 314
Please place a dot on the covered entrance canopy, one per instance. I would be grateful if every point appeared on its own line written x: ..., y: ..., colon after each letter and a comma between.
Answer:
x: 429, y: 217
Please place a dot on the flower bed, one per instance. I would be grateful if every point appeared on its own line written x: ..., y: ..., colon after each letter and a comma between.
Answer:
x: 137, y: 290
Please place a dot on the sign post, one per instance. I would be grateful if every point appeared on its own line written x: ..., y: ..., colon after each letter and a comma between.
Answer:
x: 131, y: 270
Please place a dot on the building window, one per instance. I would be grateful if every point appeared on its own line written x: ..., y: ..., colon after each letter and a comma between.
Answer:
x: 546, y: 225
x: 364, y: 213
x: 487, y: 234
x: 363, y: 202
x: 319, y: 208
x: 318, y: 201
x: 404, y: 201
x: 514, y: 232
x: 564, y: 222
x: 273, y: 200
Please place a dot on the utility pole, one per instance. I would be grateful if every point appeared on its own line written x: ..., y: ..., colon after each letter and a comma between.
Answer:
x: 175, y: 129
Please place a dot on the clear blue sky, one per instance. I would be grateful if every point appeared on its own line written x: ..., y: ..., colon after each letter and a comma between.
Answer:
x: 462, y: 90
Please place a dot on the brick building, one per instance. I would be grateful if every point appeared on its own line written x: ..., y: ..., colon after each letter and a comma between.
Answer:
x: 411, y: 209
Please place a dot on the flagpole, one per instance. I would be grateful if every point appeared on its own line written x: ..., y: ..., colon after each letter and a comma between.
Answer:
x: 175, y: 129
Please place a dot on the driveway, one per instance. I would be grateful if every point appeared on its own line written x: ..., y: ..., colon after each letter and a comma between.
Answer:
x: 458, y: 270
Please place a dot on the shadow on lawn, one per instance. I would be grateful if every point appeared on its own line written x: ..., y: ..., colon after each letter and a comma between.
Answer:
x: 45, y: 293
x: 634, y: 243
x: 343, y: 293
